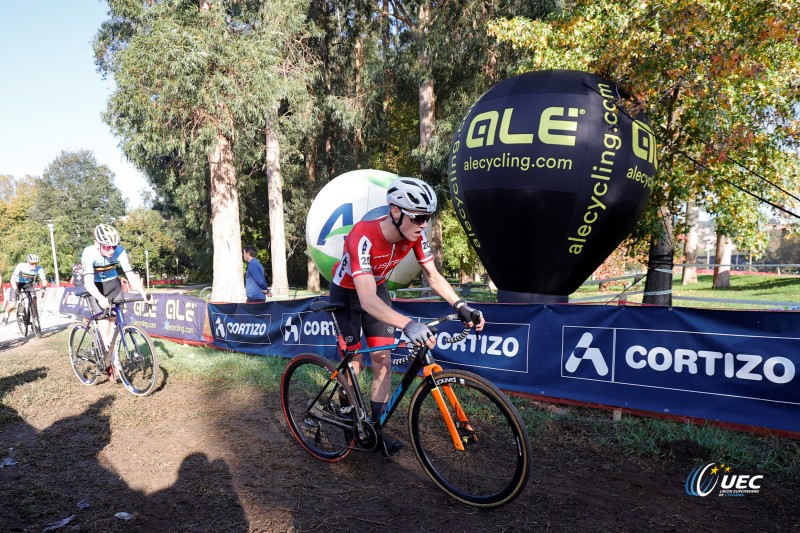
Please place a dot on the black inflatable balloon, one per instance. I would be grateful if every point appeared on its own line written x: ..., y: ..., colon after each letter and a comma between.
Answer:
x: 548, y: 175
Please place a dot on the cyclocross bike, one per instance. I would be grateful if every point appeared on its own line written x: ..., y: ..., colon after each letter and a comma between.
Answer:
x: 465, y: 432
x: 133, y: 358
x: 28, y: 313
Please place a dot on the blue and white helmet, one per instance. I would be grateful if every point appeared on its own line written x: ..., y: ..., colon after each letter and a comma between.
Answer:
x: 32, y: 258
x: 412, y: 194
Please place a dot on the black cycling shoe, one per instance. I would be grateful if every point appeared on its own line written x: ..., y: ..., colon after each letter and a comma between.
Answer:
x: 393, y: 446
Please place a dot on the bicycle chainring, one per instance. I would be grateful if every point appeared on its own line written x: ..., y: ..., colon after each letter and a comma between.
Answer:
x: 367, y: 438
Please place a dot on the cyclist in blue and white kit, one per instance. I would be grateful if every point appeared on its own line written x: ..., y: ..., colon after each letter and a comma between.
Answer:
x: 23, y: 278
x: 100, y: 261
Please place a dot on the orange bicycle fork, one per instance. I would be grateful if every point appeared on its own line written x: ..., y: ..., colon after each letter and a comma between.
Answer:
x: 440, y: 401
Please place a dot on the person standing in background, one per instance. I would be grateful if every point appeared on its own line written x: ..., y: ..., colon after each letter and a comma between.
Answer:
x: 255, y: 281
x: 77, y: 275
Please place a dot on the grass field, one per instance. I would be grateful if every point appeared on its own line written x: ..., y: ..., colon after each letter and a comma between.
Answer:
x: 747, y: 291
x: 634, y: 435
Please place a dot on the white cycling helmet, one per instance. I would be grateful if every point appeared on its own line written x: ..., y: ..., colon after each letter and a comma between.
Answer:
x: 32, y: 258
x: 107, y: 235
x: 413, y: 194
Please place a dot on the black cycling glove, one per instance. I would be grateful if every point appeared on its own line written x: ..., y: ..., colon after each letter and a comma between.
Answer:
x: 417, y: 332
x: 466, y: 313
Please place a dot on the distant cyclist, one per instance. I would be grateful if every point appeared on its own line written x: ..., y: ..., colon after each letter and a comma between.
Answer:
x: 24, y: 278
x: 371, y: 250
x: 100, y: 277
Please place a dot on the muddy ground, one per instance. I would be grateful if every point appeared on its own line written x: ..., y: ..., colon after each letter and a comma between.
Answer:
x: 196, y: 458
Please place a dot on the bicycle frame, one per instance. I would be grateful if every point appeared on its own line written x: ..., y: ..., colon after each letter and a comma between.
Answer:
x: 27, y: 296
x: 119, y: 324
x: 422, y: 362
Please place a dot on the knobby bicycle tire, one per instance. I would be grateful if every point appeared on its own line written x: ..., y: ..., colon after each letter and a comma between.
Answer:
x: 84, y: 354
x: 494, y: 466
x: 22, y: 318
x: 36, y: 325
x: 138, y: 364
x: 313, y: 423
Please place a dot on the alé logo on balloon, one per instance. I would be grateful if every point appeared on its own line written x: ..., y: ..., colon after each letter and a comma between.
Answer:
x: 553, y: 126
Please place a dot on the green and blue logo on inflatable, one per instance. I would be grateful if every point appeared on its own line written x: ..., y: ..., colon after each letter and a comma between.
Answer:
x: 345, y: 200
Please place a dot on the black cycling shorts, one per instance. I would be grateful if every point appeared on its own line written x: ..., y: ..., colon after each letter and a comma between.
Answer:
x: 22, y: 286
x: 353, y: 319
x: 110, y: 289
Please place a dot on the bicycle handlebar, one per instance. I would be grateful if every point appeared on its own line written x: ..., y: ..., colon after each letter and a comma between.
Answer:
x: 30, y: 291
x: 119, y: 300
x: 414, y: 349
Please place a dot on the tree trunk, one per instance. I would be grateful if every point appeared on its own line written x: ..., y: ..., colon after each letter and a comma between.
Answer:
x: 437, y: 243
x: 312, y: 276
x: 359, y: 85
x: 277, y: 237
x: 658, y: 285
x: 427, y: 115
x: 228, y: 280
x: 427, y: 99
x: 690, y: 246
x: 722, y: 260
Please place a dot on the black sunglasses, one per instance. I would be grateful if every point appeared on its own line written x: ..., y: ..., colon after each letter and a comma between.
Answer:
x: 417, y: 218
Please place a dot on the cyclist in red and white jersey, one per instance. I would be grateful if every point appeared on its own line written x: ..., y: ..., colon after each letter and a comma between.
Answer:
x: 371, y: 250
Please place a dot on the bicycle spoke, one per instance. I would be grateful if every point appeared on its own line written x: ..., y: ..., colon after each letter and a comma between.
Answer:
x: 492, y: 468
x: 83, y: 355
x: 313, y: 417
x: 22, y: 319
x: 138, y: 366
x: 35, y: 324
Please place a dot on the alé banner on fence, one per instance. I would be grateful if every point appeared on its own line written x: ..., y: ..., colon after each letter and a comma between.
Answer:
x: 731, y: 366
x: 171, y: 315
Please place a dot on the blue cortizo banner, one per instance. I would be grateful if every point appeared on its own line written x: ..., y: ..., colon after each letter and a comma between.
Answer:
x: 732, y: 366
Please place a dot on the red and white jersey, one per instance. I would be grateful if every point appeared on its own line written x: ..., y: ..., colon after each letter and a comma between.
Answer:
x: 367, y: 252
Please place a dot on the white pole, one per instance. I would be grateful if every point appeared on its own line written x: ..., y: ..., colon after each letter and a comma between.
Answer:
x: 55, y: 259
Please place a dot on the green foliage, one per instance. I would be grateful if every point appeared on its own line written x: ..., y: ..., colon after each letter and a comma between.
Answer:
x: 76, y: 193
x: 145, y: 229
x: 458, y: 255
x: 185, y: 76
x: 717, y: 78
x: 19, y: 234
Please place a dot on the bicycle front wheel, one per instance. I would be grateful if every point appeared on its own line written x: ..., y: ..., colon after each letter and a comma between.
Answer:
x: 312, y: 405
x: 35, y: 324
x: 83, y: 354
x: 22, y: 318
x: 493, y: 467
x: 138, y: 364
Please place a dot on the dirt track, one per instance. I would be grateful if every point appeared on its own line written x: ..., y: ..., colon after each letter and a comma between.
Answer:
x: 201, y: 459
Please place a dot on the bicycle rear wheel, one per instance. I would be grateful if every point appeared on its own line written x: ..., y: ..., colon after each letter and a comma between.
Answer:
x: 310, y: 400
x: 35, y: 324
x: 138, y: 364
x: 22, y: 318
x: 493, y: 467
x: 84, y: 354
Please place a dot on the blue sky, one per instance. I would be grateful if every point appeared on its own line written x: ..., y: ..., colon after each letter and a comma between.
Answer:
x: 51, y: 97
